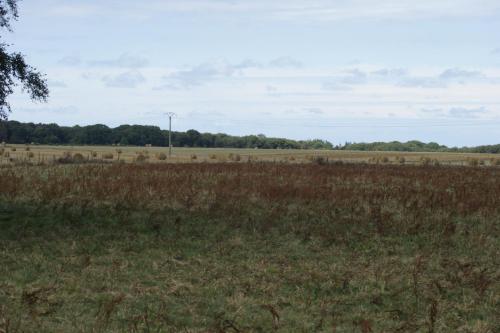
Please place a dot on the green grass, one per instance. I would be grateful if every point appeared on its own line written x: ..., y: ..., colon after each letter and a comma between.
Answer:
x: 98, y: 270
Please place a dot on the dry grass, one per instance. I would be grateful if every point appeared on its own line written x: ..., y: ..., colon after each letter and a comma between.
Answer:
x: 249, y: 247
x: 48, y: 154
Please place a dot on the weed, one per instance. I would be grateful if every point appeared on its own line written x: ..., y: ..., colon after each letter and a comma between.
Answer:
x: 78, y: 158
x: 161, y: 156
x: 234, y: 157
x: 425, y: 161
x: 473, y: 162
x: 214, y: 247
x: 141, y: 158
x: 319, y: 160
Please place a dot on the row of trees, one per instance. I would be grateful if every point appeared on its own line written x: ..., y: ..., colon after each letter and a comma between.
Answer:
x: 137, y: 135
x: 417, y: 146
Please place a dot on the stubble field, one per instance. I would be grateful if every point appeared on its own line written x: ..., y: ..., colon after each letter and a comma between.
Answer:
x: 39, y: 154
x: 249, y: 247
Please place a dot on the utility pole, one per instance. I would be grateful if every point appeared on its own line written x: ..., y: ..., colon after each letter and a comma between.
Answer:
x: 170, y: 115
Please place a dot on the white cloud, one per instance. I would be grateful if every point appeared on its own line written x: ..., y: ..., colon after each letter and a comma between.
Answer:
x: 455, y: 112
x: 457, y: 73
x: 124, y: 80
x: 221, y: 69
x: 285, y: 62
x: 390, y: 72
x: 56, y: 109
x: 198, y: 75
x: 316, y: 111
x: 74, y: 10
x: 316, y: 10
x: 125, y: 61
x: 466, y: 112
x: 421, y: 82
x: 56, y: 84
x: 70, y: 61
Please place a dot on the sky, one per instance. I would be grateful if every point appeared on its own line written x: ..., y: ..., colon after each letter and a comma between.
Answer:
x: 339, y: 70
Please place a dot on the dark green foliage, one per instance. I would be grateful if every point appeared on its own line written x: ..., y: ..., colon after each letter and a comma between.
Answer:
x: 137, y: 135
x: 417, y: 146
x: 13, y: 67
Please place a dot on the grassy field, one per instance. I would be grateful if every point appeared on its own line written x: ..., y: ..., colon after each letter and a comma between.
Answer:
x: 249, y: 247
x: 37, y: 154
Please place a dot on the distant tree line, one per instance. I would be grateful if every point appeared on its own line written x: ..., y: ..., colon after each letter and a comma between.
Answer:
x: 137, y: 135
x: 417, y: 146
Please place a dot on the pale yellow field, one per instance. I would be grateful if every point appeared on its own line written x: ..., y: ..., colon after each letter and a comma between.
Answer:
x: 48, y: 154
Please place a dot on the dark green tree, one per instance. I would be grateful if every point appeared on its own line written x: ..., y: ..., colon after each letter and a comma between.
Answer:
x: 14, y: 70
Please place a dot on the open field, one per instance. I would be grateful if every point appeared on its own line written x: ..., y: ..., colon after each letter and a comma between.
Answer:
x: 47, y: 154
x: 249, y: 247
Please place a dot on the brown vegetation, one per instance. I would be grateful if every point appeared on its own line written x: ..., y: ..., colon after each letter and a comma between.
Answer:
x: 249, y: 247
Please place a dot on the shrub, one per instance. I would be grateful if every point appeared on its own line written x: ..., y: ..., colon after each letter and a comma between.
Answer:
x: 425, y: 161
x: 66, y: 158
x: 320, y: 160
x: 161, y: 156
x: 13, y: 149
x: 472, y: 162
x: 385, y: 159
x: 78, y: 158
x: 401, y: 160
x: 107, y: 156
x: 212, y: 156
x: 30, y: 154
x: 194, y: 157
x: 291, y: 158
x: 235, y: 157
x: 141, y: 158
x: 93, y: 154
x: 27, y: 148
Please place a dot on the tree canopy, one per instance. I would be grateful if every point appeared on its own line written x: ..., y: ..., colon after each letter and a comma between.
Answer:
x: 138, y: 135
x: 14, y: 70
